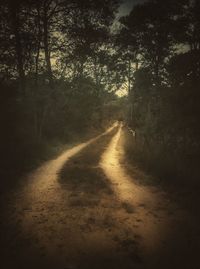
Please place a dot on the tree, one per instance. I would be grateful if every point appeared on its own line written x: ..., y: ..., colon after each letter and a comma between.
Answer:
x: 165, y: 89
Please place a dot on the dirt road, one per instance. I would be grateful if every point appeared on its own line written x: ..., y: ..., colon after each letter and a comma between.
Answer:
x: 85, y: 210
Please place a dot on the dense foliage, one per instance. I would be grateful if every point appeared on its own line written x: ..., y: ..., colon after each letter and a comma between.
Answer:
x: 54, y: 74
x: 163, y: 39
x: 61, y: 62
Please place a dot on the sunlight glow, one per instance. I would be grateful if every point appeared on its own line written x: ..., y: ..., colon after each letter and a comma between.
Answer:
x: 122, y: 91
x: 131, y: 194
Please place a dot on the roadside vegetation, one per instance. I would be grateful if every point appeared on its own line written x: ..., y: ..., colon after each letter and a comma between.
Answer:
x: 160, y: 41
x: 56, y: 77
x: 62, y: 62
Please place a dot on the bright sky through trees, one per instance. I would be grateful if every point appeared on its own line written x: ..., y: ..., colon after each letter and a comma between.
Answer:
x: 124, y: 10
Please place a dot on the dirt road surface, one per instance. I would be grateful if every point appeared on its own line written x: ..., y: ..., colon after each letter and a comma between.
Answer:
x: 86, y: 210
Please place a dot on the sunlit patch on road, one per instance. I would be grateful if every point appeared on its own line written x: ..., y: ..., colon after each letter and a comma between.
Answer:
x: 84, y: 210
x: 132, y: 195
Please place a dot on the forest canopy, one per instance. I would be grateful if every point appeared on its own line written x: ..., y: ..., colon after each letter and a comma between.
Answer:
x: 61, y: 63
x: 161, y: 42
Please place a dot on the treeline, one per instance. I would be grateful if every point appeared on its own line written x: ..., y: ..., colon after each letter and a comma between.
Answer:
x: 56, y: 74
x: 161, y: 42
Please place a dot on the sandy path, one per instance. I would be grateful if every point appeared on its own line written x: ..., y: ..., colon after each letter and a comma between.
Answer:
x: 147, y: 203
x: 168, y: 233
x: 83, y: 210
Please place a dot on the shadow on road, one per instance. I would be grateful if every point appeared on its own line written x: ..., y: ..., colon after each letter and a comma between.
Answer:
x: 69, y: 217
x: 82, y: 173
x: 73, y: 213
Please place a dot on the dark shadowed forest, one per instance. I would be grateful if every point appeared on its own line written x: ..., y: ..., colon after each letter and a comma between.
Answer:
x: 58, y: 74
x: 86, y: 86
x: 161, y: 41
x: 61, y: 63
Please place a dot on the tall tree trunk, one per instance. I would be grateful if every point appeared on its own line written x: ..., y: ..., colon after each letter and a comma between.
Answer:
x: 14, y: 13
x: 38, y: 45
x: 136, y: 65
x: 95, y: 70
x: 157, y: 67
x: 46, y: 47
x: 129, y: 77
x: 129, y: 90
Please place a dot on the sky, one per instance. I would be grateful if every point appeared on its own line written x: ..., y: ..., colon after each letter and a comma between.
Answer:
x: 124, y: 10
x: 127, y: 6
